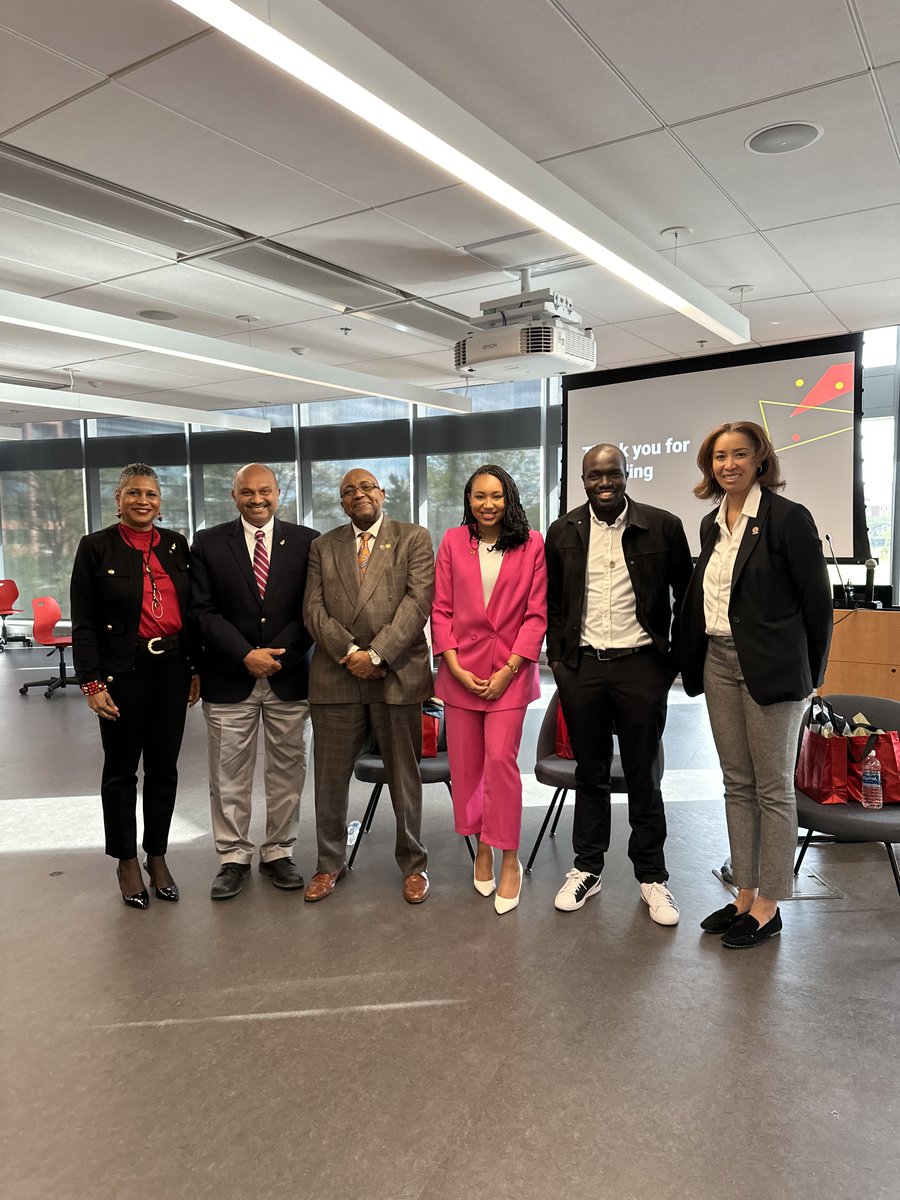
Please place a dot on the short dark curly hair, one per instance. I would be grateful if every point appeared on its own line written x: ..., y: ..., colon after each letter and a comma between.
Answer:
x: 514, y: 528
x: 768, y: 472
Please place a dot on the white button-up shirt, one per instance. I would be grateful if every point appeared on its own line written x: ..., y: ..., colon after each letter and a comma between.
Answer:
x: 608, y: 620
x: 250, y: 536
x: 720, y: 568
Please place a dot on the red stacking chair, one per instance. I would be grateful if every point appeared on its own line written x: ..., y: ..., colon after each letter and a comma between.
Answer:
x: 9, y: 594
x: 46, y: 614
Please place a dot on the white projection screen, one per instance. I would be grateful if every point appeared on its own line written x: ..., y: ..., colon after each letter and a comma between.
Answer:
x: 806, y: 395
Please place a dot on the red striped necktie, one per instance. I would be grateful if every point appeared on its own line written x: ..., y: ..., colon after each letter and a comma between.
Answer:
x: 260, y: 562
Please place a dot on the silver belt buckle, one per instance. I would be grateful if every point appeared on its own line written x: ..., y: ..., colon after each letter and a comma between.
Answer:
x: 150, y: 645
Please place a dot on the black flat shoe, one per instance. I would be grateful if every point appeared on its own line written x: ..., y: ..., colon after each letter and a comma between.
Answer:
x: 747, y: 932
x: 169, y: 892
x: 721, y: 920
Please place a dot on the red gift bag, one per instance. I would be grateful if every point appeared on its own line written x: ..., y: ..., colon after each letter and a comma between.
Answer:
x: 822, y: 768
x: 563, y: 746
x: 432, y: 715
x: 887, y: 748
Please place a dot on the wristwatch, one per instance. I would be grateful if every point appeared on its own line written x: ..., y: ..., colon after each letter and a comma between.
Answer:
x: 376, y: 658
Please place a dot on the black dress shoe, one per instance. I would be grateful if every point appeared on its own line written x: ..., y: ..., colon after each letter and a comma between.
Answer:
x: 747, y: 932
x: 140, y: 899
x: 229, y: 881
x: 283, y: 872
x: 169, y: 892
x: 721, y: 919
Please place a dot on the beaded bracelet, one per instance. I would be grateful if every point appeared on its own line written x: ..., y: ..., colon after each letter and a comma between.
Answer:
x: 93, y: 688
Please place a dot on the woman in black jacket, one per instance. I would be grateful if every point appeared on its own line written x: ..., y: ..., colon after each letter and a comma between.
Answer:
x: 756, y: 628
x: 130, y: 594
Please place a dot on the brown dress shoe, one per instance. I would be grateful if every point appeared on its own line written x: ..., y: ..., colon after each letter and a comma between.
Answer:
x: 416, y: 888
x: 323, y: 883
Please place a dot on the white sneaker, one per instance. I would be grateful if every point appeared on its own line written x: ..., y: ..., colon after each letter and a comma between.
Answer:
x: 663, y: 908
x: 578, y: 888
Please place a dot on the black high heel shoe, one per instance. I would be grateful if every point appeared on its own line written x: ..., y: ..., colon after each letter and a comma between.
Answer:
x: 169, y: 892
x: 140, y: 899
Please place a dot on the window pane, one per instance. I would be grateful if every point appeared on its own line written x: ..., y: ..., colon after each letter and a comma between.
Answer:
x: 129, y: 427
x: 391, y: 473
x: 447, y: 475
x: 491, y: 397
x: 281, y: 416
x: 218, y: 505
x: 351, y: 411
x: 880, y: 347
x: 878, y: 483
x: 50, y: 431
x: 42, y: 516
x: 173, y: 487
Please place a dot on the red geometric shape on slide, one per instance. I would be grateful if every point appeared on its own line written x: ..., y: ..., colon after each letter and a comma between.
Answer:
x: 826, y: 388
x: 795, y: 437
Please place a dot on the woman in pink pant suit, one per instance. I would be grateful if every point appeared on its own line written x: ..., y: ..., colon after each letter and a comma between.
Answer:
x: 488, y: 624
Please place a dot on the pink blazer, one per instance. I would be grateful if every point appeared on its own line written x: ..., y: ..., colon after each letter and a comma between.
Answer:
x: 513, y: 623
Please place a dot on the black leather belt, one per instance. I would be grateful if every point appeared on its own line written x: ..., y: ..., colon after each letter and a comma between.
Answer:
x: 609, y: 655
x: 160, y: 645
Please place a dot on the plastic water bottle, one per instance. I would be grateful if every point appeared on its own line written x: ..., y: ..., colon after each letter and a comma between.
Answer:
x: 354, y: 826
x: 872, y: 795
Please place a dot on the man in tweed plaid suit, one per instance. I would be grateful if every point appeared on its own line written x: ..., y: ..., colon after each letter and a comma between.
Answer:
x: 368, y: 597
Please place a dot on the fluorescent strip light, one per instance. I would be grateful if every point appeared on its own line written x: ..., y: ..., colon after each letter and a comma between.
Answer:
x: 51, y: 316
x: 529, y: 198
x: 9, y: 433
x: 79, y: 402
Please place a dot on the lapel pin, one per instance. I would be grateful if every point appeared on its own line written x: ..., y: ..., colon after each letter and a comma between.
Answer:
x: 172, y: 547
x: 281, y: 543
x: 385, y: 546
x: 755, y: 530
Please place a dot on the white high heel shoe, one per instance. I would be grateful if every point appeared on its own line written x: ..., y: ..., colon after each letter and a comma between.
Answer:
x: 502, y: 904
x: 485, y: 886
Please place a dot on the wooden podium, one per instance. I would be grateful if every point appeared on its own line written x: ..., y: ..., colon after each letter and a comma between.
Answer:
x: 865, y: 653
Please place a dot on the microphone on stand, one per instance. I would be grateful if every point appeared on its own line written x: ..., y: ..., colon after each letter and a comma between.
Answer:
x: 870, y: 601
x: 848, y: 592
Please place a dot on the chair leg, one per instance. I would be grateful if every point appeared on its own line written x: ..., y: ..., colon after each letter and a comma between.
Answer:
x: 562, y: 801
x: 560, y: 792
x: 470, y: 847
x: 893, y: 861
x: 366, y: 823
x: 803, y: 850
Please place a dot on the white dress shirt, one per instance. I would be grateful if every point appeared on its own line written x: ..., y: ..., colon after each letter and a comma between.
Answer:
x: 720, y: 568
x: 490, y: 561
x: 250, y: 536
x: 608, y: 620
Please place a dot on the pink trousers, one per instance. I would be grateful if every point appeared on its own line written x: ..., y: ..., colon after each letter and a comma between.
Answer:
x: 487, y: 787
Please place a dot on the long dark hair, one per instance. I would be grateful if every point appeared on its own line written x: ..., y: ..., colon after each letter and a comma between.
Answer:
x: 768, y: 469
x: 514, y: 527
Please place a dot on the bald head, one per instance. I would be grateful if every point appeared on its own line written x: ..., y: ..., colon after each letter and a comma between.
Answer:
x: 256, y: 493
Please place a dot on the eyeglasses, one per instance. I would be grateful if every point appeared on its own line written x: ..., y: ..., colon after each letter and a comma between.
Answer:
x: 365, y: 488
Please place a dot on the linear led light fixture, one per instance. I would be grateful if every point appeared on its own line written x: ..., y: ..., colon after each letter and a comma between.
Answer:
x: 90, y: 405
x: 51, y: 316
x: 314, y: 45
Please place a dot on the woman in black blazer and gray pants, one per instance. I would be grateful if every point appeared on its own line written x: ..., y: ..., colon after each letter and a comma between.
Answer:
x: 756, y: 628
x: 133, y: 653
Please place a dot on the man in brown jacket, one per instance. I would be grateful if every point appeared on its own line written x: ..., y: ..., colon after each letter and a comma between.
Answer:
x: 368, y: 597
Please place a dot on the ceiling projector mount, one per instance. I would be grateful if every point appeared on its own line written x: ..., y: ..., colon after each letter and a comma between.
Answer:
x: 528, y: 336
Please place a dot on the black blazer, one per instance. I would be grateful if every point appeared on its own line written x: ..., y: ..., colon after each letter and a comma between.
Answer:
x: 781, y: 610
x: 232, y: 618
x: 659, y: 564
x: 107, y: 592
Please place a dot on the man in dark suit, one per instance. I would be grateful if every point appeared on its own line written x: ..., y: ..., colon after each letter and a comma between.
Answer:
x: 368, y: 597
x: 613, y: 569
x: 249, y: 580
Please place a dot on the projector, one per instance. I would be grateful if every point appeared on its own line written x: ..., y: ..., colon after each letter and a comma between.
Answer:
x: 531, y: 351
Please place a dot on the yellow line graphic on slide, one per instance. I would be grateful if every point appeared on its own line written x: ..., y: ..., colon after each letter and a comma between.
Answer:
x: 764, y: 404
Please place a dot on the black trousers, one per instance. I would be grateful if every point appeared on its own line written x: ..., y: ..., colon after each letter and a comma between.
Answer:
x: 628, y: 695
x: 152, y: 701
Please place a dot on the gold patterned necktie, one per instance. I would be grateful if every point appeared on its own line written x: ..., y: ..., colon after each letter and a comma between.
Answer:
x: 362, y: 557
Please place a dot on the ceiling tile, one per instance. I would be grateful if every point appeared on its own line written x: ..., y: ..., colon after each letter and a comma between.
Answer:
x: 866, y: 306
x: 841, y: 172
x: 594, y: 290
x: 456, y: 216
x: 677, y: 334
x: 502, y: 62
x: 33, y: 79
x: 858, y: 248
x: 748, y: 259
x: 434, y: 370
x: 786, y: 318
x: 38, y: 349
x: 325, y: 340
x: 690, y: 59
x: 105, y: 34
x: 616, y: 346
x: 35, y: 281
x: 225, y: 87
x: 889, y: 81
x: 128, y: 140
x: 624, y: 181
x: 881, y: 29
x: 45, y: 244
x: 375, y: 245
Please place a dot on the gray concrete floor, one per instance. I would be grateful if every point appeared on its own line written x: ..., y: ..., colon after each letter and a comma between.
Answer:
x: 365, y: 1049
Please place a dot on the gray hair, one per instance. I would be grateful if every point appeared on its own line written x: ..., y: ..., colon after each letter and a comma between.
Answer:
x: 133, y: 469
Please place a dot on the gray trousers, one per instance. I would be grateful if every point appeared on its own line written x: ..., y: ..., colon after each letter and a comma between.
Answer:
x: 757, y: 746
x: 232, y: 732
